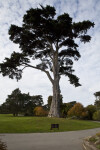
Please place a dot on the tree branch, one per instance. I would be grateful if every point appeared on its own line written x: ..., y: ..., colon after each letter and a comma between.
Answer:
x: 24, y: 68
x: 48, y: 74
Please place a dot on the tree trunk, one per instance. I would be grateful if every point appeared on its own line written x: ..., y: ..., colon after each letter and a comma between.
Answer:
x: 55, y: 104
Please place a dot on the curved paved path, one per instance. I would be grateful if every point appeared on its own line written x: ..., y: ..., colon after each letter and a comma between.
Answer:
x: 47, y: 141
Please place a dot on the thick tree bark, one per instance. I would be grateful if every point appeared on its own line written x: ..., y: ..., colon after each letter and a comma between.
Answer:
x: 55, y: 104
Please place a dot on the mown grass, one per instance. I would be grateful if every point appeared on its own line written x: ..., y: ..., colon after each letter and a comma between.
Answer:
x: 10, y: 124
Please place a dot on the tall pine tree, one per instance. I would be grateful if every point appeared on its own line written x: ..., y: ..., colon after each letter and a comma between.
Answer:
x: 49, y: 38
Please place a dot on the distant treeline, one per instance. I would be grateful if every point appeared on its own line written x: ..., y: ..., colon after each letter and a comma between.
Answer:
x: 18, y: 103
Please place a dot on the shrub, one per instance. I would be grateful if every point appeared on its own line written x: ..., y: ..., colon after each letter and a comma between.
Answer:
x: 96, y: 115
x: 39, y: 111
x: 77, y: 110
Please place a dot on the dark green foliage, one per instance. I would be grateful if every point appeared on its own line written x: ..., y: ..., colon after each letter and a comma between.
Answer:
x: 39, y: 32
x: 97, y: 104
x: 90, y: 109
x: 4, y: 109
x: 97, y: 94
x: 97, y: 101
x: 14, y: 102
x: 32, y: 103
x: 82, y: 27
x: 21, y: 103
x: 96, y: 115
x: 66, y: 107
x: 45, y: 107
x: 50, y: 100
x: 10, y: 67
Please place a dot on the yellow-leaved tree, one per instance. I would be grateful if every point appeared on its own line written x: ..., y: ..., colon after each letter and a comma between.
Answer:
x: 78, y: 111
x: 39, y: 111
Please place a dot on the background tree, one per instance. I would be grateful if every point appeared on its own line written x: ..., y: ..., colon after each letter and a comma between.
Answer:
x: 15, y: 102
x: 77, y: 110
x: 45, y: 107
x: 4, y: 109
x: 97, y: 95
x: 90, y: 111
x: 31, y: 103
x: 96, y: 115
x: 97, y: 101
x: 50, y: 39
x: 66, y: 107
x: 21, y: 103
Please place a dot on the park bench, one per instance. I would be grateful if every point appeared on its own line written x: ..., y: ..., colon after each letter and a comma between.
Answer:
x: 54, y: 126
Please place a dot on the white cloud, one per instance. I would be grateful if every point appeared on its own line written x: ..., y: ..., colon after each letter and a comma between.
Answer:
x: 35, y: 82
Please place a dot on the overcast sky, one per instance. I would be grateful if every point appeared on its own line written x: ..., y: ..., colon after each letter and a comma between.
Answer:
x: 35, y: 82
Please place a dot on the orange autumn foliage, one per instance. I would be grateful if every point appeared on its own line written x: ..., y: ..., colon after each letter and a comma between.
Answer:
x: 78, y: 111
x: 39, y: 111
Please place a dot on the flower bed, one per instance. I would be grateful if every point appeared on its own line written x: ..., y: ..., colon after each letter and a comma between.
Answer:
x: 92, y: 142
x: 3, y: 146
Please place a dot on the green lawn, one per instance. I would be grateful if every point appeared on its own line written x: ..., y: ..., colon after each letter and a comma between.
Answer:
x: 10, y: 124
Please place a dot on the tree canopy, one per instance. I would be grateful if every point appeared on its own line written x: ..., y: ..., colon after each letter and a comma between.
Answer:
x: 97, y: 95
x: 40, y: 32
